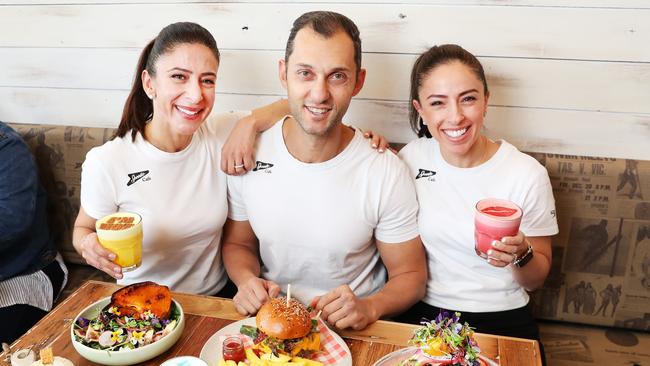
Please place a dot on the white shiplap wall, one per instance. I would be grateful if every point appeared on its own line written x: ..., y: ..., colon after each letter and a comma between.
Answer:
x: 567, y: 77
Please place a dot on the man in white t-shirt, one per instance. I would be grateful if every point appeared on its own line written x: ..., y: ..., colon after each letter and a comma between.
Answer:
x: 322, y: 210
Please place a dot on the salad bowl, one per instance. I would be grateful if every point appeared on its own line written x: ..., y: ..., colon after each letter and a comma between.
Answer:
x: 441, y: 341
x: 124, y: 355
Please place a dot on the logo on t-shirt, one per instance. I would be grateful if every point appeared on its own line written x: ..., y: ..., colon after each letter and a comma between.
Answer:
x: 260, y: 165
x: 134, y: 177
x: 423, y: 173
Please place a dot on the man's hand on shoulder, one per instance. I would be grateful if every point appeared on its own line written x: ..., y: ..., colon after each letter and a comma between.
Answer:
x: 343, y: 309
x: 253, y: 293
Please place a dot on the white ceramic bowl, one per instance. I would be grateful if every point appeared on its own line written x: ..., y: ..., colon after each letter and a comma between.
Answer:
x: 127, y: 357
x: 184, y: 361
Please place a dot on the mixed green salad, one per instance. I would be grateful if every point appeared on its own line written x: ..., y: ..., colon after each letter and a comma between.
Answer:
x: 444, y: 341
x: 113, y: 332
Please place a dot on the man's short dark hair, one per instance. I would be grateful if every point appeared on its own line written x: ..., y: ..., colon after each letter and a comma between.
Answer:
x: 326, y: 23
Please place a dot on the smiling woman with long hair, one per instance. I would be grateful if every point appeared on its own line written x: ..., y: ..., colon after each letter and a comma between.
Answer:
x: 455, y: 165
x: 164, y: 164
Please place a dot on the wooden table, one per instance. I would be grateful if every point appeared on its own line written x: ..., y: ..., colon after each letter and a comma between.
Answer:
x: 205, y: 315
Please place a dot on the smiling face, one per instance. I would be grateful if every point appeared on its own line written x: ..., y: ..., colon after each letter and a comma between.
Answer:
x: 452, y: 104
x: 321, y: 78
x: 183, y: 88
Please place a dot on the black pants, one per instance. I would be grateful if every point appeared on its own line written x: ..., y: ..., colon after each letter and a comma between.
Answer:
x: 228, y: 291
x: 17, y: 319
x: 512, y: 323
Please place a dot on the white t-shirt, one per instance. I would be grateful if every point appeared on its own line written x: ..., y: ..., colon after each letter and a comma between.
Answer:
x: 181, y: 198
x: 315, y: 222
x: 458, y: 278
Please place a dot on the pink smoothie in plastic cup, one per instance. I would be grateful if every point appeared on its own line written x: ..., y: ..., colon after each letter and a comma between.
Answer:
x: 494, y: 219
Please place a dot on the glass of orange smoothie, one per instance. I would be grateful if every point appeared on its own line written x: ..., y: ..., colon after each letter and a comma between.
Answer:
x: 121, y: 233
x: 493, y: 219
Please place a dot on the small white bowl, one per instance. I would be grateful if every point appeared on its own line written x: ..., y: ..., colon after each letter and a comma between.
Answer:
x: 126, y: 357
x: 184, y: 361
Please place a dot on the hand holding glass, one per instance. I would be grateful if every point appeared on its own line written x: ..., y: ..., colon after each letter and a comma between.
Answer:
x: 494, y: 219
x: 121, y: 233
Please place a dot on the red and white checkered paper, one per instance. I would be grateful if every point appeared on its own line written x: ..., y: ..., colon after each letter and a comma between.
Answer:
x: 332, y: 352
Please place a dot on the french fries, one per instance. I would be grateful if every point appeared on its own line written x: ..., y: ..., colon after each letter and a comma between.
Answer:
x: 269, y: 359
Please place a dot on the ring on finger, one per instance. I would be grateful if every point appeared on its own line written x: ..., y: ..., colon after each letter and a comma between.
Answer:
x: 239, y: 166
x: 514, y: 257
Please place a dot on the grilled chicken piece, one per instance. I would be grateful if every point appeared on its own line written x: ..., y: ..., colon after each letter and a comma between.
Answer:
x: 135, y: 299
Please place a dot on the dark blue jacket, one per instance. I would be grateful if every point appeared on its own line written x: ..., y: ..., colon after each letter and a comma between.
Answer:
x: 25, y: 242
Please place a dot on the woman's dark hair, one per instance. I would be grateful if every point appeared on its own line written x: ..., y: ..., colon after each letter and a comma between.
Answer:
x: 429, y: 60
x: 138, y: 108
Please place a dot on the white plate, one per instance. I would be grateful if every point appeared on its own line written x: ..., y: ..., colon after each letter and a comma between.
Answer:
x: 211, y: 351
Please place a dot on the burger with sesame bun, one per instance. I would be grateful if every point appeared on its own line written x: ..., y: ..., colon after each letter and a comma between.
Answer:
x: 284, y: 329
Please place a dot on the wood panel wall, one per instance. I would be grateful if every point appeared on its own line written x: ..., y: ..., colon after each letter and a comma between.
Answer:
x: 568, y: 77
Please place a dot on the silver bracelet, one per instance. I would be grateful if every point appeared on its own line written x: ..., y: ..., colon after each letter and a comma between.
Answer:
x: 525, y: 258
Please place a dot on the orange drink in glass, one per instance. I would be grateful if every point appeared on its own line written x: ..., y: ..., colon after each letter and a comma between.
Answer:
x: 121, y: 233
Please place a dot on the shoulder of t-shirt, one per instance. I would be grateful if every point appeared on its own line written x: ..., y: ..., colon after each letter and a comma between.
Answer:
x: 105, y: 157
x: 274, y: 128
x: 386, y: 161
x: 274, y: 132
x: 220, y: 124
x: 112, y: 147
x: 524, y: 162
x: 416, y: 148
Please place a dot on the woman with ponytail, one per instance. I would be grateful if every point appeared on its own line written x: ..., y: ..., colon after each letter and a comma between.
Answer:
x: 455, y: 165
x: 164, y: 164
